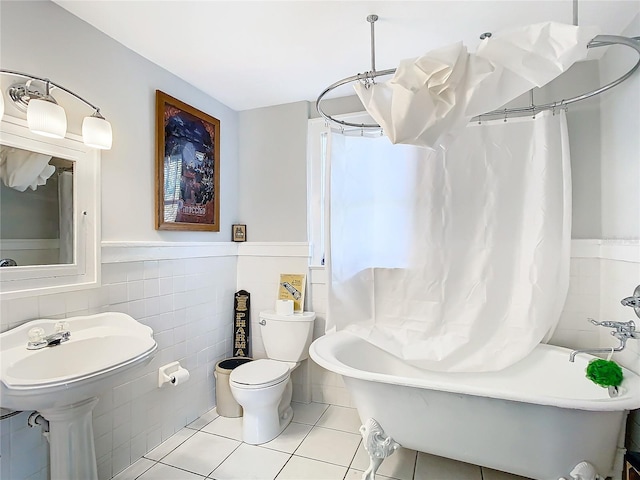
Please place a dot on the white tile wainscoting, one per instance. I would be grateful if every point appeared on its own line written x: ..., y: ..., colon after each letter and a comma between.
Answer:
x: 185, y: 293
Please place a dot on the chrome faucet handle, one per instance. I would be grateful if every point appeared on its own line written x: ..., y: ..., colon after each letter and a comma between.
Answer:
x: 616, y: 325
x: 623, y: 330
x: 37, y: 338
x: 36, y: 334
x: 633, y: 301
x: 61, y: 326
x: 610, y: 324
x: 629, y: 330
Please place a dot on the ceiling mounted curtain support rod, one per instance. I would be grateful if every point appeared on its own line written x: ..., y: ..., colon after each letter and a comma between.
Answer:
x: 598, y: 41
x: 369, y: 77
x: 372, y: 19
x: 46, y: 117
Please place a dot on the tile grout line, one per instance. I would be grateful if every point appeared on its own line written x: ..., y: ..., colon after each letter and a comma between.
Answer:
x: 270, y: 449
x: 322, y: 461
x: 352, y: 459
x: 285, y: 464
x: 155, y: 462
x: 170, y: 451
x: 224, y: 460
x: 196, y: 473
x: 183, y: 469
x: 292, y: 454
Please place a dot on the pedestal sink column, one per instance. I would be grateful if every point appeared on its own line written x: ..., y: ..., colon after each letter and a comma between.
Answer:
x: 72, y: 450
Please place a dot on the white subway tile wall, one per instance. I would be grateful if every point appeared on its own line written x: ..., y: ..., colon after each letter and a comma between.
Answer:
x: 260, y: 276
x: 619, y: 280
x: 595, y: 290
x: 189, y: 305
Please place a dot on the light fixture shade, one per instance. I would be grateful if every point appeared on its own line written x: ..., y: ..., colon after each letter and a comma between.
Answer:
x: 96, y: 132
x: 1, y: 105
x: 46, y: 118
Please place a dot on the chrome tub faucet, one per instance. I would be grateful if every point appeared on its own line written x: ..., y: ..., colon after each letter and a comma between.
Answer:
x: 623, y: 330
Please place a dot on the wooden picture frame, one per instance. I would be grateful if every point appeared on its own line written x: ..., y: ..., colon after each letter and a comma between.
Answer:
x: 187, y: 167
x: 239, y: 233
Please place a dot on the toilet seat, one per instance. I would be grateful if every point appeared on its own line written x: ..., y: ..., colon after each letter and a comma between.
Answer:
x: 260, y: 373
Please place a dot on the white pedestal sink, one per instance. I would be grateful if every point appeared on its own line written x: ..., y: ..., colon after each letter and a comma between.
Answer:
x: 62, y: 382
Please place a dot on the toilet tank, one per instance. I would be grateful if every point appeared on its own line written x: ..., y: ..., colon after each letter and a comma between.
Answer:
x: 287, y: 337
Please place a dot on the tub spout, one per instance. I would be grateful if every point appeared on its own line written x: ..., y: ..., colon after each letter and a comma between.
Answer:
x: 573, y: 354
x: 623, y: 332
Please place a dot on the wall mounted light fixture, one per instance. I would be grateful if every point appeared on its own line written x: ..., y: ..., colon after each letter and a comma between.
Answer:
x: 46, y: 117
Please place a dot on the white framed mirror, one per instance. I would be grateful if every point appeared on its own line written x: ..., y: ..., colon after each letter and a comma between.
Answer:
x: 49, y: 212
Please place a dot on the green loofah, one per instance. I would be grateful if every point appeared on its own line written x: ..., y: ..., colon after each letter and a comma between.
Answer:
x: 605, y: 373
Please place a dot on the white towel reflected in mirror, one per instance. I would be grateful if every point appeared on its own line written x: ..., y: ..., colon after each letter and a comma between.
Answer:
x: 21, y: 169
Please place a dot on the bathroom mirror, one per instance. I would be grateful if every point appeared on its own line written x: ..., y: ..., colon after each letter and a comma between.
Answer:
x: 36, y: 208
x: 49, y: 206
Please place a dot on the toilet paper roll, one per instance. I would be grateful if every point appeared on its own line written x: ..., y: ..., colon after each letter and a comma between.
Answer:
x: 284, y: 307
x: 181, y: 376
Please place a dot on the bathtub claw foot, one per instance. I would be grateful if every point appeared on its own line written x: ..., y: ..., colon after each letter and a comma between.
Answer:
x: 585, y: 471
x: 377, y: 444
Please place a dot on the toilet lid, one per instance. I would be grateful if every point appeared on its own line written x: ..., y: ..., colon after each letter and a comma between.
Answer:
x: 259, y: 373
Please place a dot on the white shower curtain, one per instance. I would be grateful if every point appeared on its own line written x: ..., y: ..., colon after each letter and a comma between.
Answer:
x: 453, y: 260
x: 430, y: 98
x: 65, y: 215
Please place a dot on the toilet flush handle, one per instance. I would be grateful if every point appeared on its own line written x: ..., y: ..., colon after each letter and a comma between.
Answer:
x: 262, y: 321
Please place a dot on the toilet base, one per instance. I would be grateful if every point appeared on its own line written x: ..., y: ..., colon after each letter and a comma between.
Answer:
x: 261, y: 425
x: 262, y: 428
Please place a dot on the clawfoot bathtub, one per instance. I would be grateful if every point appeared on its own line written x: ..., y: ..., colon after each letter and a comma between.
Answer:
x: 539, y: 418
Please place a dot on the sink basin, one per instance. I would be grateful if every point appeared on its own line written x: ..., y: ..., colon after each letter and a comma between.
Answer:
x: 62, y: 382
x: 101, y: 348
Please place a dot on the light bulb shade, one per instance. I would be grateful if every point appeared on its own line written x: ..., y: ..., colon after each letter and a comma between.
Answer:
x: 46, y: 118
x: 96, y: 133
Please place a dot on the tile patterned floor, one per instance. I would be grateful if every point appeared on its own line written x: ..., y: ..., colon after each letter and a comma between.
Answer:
x: 321, y: 443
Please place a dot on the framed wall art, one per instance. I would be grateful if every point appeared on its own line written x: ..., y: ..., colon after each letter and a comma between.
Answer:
x: 291, y: 287
x: 239, y: 233
x: 187, y: 167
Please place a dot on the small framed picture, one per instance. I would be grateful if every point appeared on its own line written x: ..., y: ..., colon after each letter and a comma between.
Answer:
x: 292, y: 288
x: 239, y: 233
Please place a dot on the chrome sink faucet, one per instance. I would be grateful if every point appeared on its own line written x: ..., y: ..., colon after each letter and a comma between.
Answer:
x: 38, y: 340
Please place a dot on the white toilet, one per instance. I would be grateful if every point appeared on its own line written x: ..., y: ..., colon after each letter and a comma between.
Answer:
x: 263, y: 387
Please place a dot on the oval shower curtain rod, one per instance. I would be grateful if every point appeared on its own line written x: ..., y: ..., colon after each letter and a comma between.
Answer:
x: 368, y: 78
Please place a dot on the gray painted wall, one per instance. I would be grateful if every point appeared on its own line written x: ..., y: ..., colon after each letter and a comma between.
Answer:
x: 272, y: 142
x: 57, y: 45
x: 273, y: 173
x: 583, y: 120
x: 32, y: 214
x: 620, y: 174
x: 263, y: 151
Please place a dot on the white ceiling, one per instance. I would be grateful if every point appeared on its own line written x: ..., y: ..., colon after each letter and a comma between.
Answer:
x: 250, y: 54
